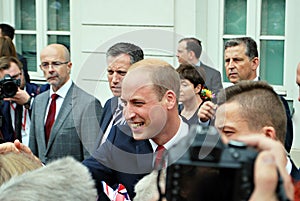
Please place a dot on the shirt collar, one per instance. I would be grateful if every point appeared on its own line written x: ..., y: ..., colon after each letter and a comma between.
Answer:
x: 62, y: 91
x: 181, y: 133
x: 256, y: 79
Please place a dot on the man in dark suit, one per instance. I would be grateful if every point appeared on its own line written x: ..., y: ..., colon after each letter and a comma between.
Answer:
x: 150, y: 97
x: 241, y: 62
x: 119, y: 58
x: 69, y: 124
x: 249, y: 108
x: 17, y: 106
x: 189, y: 51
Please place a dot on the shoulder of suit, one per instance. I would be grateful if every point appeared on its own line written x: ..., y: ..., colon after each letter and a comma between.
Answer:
x: 209, y: 68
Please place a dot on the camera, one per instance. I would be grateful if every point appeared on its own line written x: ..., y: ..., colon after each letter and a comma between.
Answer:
x: 8, y: 86
x: 211, y: 170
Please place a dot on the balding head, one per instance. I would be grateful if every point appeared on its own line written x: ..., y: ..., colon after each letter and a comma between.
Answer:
x: 56, y: 65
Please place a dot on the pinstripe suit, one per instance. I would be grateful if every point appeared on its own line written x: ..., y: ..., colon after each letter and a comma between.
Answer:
x: 74, y: 131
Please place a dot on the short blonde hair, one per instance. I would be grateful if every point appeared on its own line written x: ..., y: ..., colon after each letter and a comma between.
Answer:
x: 12, y: 164
x: 149, y: 62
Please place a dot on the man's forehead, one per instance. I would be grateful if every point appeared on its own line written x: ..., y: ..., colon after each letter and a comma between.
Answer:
x: 122, y: 58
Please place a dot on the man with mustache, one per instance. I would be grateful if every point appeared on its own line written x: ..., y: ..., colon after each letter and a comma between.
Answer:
x: 65, y: 119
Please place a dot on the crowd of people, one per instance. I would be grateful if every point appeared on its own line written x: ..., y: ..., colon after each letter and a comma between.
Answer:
x: 58, y: 138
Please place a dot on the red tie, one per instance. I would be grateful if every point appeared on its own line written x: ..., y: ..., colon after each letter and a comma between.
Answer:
x: 51, y: 116
x: 159, y: 159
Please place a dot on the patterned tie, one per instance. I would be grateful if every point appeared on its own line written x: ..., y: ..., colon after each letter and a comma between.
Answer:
x: 51, y: 116
x: 118, y: 116
x: 160, y: 161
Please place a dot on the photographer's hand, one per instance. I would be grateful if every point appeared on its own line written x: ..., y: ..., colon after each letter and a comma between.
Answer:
x: 272, y: 157
x: 20, y: 98
x: 8, y: 147
x: 207, y: 111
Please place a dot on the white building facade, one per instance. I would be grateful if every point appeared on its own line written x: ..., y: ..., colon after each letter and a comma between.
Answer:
x: 90, y: 27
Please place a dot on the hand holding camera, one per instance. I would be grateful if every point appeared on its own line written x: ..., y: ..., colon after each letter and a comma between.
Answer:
x: 212, y: 170
x: 10, y: 90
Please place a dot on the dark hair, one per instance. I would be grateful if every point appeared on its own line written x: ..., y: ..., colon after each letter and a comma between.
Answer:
x: 189, y: 72
x: 136, y: 53
x: 193, y: 44
x: 7, y: 48
x: 5, y: 62
x: 7, y: 30
x: 260, y: 105
x: 251, y: 46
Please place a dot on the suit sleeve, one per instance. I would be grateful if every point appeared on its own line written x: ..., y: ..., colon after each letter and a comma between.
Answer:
x: 217, y: 82
x: 99, y: 171
x: 32, y: 135
x: 289, y: 127
x: 90, y: 127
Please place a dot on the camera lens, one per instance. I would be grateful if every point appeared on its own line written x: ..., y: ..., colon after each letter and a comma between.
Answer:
x: 9, y: 89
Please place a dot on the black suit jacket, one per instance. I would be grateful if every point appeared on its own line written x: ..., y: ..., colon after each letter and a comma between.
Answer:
x: 7, y: 128
x: 121, y: 159
x: 108, y: 112
x: 295, y: 173
x: 213, y: 79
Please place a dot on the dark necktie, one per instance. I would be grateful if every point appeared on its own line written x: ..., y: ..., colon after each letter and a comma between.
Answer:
x: 118, y: 116
x: 18, y: 121
x: 160, y: 160
x: 50, y: 117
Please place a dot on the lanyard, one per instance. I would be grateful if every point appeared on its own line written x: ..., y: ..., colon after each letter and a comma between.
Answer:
x: 24, y: 115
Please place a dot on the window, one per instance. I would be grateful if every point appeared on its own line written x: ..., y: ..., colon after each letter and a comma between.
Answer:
x: 38, y: 23
x: 267, y: 29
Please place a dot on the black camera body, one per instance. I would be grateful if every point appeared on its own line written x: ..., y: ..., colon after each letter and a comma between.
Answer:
x: 211, y: 170
x: 8, y: 86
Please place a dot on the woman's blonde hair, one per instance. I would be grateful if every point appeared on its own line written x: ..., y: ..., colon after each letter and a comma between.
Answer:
x: 12, y: 164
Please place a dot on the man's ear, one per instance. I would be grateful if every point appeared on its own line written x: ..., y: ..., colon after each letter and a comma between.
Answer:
x: 255, y: 63
x: 191, y: 55
x: 270, y: 132
x: 170, y: 99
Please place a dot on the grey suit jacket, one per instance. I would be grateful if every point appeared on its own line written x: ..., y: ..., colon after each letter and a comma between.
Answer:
x: 213, y: 79
x: 74, y: 131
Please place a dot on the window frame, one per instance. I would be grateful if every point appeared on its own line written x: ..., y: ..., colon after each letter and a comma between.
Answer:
x: 253, y: 29
x: 41, y: 31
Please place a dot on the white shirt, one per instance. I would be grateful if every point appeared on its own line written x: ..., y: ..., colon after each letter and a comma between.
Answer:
x: 107, y: 131
x: 25, y: 121
x: 62, y: 92
x: 182, y: 132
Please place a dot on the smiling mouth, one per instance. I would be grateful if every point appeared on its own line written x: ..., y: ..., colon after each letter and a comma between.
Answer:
x: 136, y: 125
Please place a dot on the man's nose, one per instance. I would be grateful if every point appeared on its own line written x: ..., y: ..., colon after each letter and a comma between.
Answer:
x: 115, y: 77
x: 128, y: 112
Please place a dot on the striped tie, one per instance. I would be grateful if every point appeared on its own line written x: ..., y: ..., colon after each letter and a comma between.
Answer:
x: 118, y: 116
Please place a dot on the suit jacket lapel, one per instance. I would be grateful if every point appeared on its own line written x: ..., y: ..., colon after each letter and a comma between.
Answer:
x: 42, y: 106
x: 64, y: 111
x: 144, y: 154
x: 108, y: 114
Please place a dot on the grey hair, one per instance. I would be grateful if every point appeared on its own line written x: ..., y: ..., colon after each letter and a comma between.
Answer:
x: 135, y: 52
x: 63, y: 179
